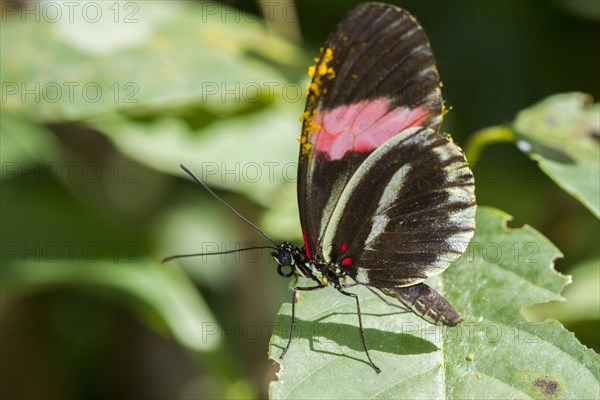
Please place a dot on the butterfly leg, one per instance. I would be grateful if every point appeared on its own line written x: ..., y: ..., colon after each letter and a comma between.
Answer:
x: 376, y: 293
x: 389, y: 303
x: 305, y: 288
x: 360, y: 325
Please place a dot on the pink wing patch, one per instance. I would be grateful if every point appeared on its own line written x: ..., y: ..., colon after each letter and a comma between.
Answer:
x: 363, y: 126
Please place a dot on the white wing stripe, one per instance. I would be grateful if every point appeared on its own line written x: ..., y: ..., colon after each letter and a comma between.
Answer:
x: 409, y: 135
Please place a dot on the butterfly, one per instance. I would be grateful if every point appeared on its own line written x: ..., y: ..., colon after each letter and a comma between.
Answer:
x: 385, y: 200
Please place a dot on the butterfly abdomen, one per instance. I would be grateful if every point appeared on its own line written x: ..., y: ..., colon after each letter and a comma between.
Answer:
x: 426, y: 303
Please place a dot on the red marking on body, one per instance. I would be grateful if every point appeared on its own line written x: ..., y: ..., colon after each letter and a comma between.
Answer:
x: 347, y: 261
x: 363, y: 126
x: 344, y: 247
x: 306, y: 249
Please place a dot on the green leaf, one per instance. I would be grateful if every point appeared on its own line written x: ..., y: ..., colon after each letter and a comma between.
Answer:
x: 148, y: 288
x: 562, y: 133
x: 495, y: 353
x: 583, y: 297
x: 152, y: 55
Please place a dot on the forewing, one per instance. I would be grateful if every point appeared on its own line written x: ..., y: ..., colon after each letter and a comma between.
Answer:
x: 376, y: 77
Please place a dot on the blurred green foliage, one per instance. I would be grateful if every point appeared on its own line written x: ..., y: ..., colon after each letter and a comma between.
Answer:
x: 97, y: 114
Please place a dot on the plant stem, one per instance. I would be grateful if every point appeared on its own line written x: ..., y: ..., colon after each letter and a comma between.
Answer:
x: 484, y: 137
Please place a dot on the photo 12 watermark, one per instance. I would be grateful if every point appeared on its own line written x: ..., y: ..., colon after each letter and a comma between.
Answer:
x: 70, y: 92
x: 70, y: 252
x: 70, y: 12
x: 251, y: 92
x: 482, y: 331
x: 70, y: 172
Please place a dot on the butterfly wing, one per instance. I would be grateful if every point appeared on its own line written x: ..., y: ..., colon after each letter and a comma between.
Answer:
x: 379, y: 191
x: 406, y: 213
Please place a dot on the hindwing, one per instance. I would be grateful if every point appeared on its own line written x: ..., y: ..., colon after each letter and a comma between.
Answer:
x: 407, y: 212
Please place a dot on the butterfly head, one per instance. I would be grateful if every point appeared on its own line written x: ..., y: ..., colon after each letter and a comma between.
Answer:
x: 285, y: 257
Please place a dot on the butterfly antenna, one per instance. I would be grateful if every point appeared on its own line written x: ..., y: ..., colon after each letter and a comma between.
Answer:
x: 167, y: 259
x: 190, y: 173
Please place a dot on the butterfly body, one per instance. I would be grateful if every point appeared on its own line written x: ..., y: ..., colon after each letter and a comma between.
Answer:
x: 385, y: 200
x: 321, y: 273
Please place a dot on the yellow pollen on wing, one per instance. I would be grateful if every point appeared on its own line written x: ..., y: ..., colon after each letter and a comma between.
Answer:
x: 309, y: 126
x: 328, y: 56
x: 322, y: 69
x: 330, y: 73
x: 445, y: 110
x: 313, y: 87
